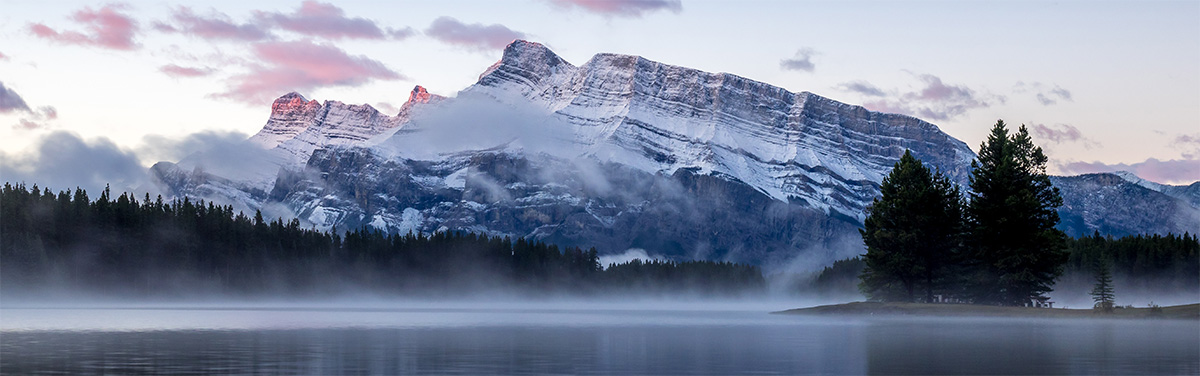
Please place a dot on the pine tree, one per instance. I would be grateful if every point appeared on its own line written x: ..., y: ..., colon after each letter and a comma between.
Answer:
x: 1016, y: 253
x: 1102, y: 293
x: 912, y: 233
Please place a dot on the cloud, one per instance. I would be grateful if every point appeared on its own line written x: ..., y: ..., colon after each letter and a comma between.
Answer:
x: 474, y: 36
x: 935, y: 101
x: 324, y: 20
x: 62, y: 160
x: 621, y: 8
x: 387, y: 108
x: 108, y: 27
x: 3, y: 56
x: 1174, y: 171
x: 801, y: 62
x: 1187, y: 140
x: 179, y: 71
x: 1189, y: 144
x: 215, y: 26
x: 37, y: 119
x: 47, y: 112
x: 862, y: 87
x: 1061, y: 93
x: 1060, y: 134
x: 1043, y: 93
x: 11, y: 101
x: 302, y: 66
x: 162, y: 148
x: 26, y: 124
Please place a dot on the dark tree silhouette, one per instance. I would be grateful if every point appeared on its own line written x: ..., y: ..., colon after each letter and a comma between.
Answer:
x: 1102, y: 293
x: 1016, y: 252
x: 912, y: 233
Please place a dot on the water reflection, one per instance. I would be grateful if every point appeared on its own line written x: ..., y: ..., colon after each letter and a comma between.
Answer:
x: 611, y: 343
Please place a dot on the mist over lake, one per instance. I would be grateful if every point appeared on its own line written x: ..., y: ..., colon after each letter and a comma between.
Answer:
x: 573, y: 338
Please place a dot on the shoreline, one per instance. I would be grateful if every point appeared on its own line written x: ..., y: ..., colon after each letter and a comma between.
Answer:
x: 1177, y: 312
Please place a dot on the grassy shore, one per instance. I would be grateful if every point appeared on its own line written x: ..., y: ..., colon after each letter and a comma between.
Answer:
x: 1187, y: 312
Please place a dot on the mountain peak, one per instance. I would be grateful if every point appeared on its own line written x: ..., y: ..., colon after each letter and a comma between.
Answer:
x: 420, y: 95
x: 529, y: 59
x: 291, y: 102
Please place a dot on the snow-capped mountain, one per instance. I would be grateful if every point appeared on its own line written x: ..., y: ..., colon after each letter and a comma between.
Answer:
x: 1123, y: 204
x: 660, y: 118
x: 294, y: 130
x: 619, y: 152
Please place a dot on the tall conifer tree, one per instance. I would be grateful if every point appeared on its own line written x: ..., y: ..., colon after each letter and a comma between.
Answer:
x: 912, y: 233
x: 1016, y: 253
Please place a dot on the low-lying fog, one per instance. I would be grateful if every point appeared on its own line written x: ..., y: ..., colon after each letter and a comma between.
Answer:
x: 539, y: 336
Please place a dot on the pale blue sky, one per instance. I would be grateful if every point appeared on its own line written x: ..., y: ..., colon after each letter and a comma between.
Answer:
x: 1109, y: 84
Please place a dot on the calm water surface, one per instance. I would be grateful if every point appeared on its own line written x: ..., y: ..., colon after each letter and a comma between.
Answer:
x: 563, y: 340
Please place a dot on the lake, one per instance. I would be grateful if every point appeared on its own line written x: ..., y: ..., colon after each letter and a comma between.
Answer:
x: 569, y: 338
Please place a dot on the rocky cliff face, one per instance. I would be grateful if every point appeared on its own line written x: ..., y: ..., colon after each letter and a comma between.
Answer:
x: 660, y: 118
x: 622, y: 152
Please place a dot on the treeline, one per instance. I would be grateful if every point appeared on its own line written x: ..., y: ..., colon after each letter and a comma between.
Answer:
x: 125, y: 245
x: 1166, y: 262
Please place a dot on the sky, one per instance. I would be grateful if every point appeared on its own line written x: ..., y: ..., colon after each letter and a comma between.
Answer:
x: 1102, y: 86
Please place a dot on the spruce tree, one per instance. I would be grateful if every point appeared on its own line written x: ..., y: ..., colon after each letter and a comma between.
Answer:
x: 912, y: 233
x: 1016, y: 252
x: 1102, y: 293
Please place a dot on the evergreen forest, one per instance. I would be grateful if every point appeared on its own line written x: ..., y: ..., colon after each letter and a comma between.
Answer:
x: 122, y: 245
x: 997, y: 244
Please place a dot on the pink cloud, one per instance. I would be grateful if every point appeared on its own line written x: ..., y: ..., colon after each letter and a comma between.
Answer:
x: 1061, y: 134
x: 214, y: 26
x: 1174, y: 171
x: 302, y: 66
x: 3, y: 56
x: 26, y: 124
x: 625, y: 8
x: 47, y: 112
x: 180, y: 71
x: 475, y: 36
x: 936, y: 101
x: 328, y: 21
x: 108, y: 27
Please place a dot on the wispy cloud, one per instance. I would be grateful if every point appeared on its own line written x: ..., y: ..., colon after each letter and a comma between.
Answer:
x: 621, y: 8
x: 474, y: 36
x: 107, y: 27
x: 215, y: 25
x: 302, y: 66
x: 323, y: 20
x: 1061, y: 134
x: 1043, y: 93
x: 935, y: 100
x: 802, y: 61
x: 37, y: 119
x: 181, y: 71
x: 1189, y: 144
x: 3, y: 56
x: 862, y: 87
x: 1174, y: 171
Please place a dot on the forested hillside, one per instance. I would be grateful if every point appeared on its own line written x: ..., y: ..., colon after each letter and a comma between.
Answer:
x: 125, y: 245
